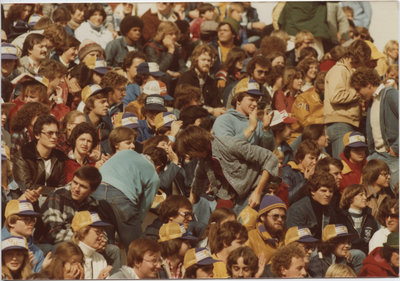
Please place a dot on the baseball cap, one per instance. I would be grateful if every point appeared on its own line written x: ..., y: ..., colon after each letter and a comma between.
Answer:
x: 375, y: 54
x: 174, y: 230
x: 98, y: 65
x: 270, y: 202
x: 334, y: 230
x: 299, y: 234
x: 156, y: 87
x: 281, y: 117
x: 86, y: 218
x: 29, y: 77
x: 155, y: 102
x: 14, y: 243
x: 33, y: 19
x: 93, y: 89
x: 209, y: 26
x: 354, y: 139
x: 8, y: 51
x: 199, y: 256
x: 248, y: 85
x: 125, y: 119
x: 20, y: 207
x: 151, y: 68
x: 164, y: 119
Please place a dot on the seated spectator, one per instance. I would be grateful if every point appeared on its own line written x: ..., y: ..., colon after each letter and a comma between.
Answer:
x: 335, y: 249
x: 317, y: 134
x: 131, y: 31
x: 383, y: 261
x: 288, y: 262
x: 88, y: 235
x: 143, y: 261
x: 303, y: 238
x: 68, y: 123
x: 243, y: 263
x: 198, y: 264
x: 354, y: 158
x: 388, y: 219
x: 230, y: 236
x: 125, y: 133
x: 88, y: 49
x: 77, y: 11
x: 309, y: 67
x: 340, y: 270
x: 206, y: 13
x: 356, y: 216
x: 292, y: 83
x: 194, y: 115
x: 9, y: 62
x: 174, y: 243
x: 270, y: 226
x: 34, y: 51
x: 295, y: 173
x: 67, y: 263
x: 16, y: 22
x: 314, y: 211
x: 130, y: 64
x: 15, y: 260
x: 93, y: 28
x: 302, y: 40
x: 118, y: 84
x: 67, y: 53
x: 185, y: 96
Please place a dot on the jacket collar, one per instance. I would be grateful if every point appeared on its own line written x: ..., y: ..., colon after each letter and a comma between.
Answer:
x: 273, y: 242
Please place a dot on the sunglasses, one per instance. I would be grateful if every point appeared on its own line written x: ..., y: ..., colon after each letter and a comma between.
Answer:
x: 276, y: 217
x: 186, y: 215
x: 392, y: 216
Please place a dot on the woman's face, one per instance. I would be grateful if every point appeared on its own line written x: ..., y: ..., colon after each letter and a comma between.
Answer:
x: 359, y: 201
x: 312, y: 72
x: 13, y: 259
x: 83, y: 144
x: 74, y: 266
x: 72, y: 124
x: 241, y: 270
x: 164, y: 145
x: 297, y: 83
x: 394, y: 52
x: 32, y: 96
x: 342, y: 249
x: 323, y: 140
x: 26, y: 12
x: 383, y: 179
x: 172, y: 36
x: 278, y: 61
x: 96, y: 18
x: 239, y: 64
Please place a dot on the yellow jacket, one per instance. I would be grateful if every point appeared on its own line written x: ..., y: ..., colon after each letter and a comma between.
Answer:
x: 219, y: 269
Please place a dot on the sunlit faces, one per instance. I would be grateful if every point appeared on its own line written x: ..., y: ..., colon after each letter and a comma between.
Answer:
x: 53, y: 84
x: 248, y: 104
x: 23, y: 226
x: 80, y: 189
x: 208, y: 15
x: 308, y: 161
x: 342, y: 248
x: 95, y: 54
x: 83, y: 144
x: 239, y: 64
x: 308, y: 249
x: 127, y: 8
x: 308, y: 42
x: 225, y: 34
x: 241, y: 270
x: 286, y: 133
x: 204, y: 62
x: 323, y: 195
x: 13, y: 259
x: 74, y: 264
x: 38, y: 51
x: 48, y: 136
x: 274, y: 220
x: 394, y: 259
x: 384, y: 179
x: 311, y: 72
x: 296, y: 269
x: 78, y: 16
x: 125, y: 145
x: 149, y: 116
x: 96, y: 18
x: 359, y: 201
x: 392, y: 220
x: 237, y: 15
x: 336, y: 172
x: 101, y: 107
x: 119, y: 92
x: 164, y: 7
x: 297, y: 83
x: 172, y: 36
x: 70, y: 54
x: 357, y: 154
x: 72, y: 124
x: 366, y: 92
x: 31, y: 96
x: 150, y: 265
x: 94, y: 237
x: 7, y: 67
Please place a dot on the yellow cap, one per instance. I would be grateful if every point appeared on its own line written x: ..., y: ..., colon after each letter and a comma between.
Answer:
x: 174, y: 230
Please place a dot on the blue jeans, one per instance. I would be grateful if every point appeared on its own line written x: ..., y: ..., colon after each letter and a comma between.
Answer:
x: 128, y: 223
x: 392, y: 162
x: 336, y: 132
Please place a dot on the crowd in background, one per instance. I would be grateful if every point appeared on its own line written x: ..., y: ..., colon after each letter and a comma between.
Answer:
x: 196, y: 141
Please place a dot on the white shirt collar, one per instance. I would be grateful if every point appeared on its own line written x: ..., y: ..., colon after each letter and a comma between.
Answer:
x: 378, y: 90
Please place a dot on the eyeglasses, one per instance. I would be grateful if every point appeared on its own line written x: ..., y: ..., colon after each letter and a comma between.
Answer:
x: 384, y: 174
x: 121, y: 89
x: 392, y: 216
x: 308, y: 246
x: 186, y: 215
x: 27, y: 219
x: 276, y: 217
x: 98, y: 232
x: 49, y: 134
x: 154, y: 261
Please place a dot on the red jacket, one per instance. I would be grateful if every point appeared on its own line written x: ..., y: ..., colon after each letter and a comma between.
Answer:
x: 375, y: 265
x: 71, y: 166
x: 351, y: 173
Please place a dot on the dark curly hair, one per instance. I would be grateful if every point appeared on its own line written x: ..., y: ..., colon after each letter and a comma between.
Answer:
x: 80, y: 129
x: 25, y: 115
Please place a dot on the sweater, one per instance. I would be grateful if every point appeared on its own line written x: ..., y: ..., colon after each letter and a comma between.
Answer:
x: 94, y: 262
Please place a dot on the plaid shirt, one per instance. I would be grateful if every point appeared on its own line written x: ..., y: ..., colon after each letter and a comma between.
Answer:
x: 58, y: 211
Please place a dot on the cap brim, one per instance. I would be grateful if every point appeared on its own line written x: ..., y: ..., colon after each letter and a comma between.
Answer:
x: 347, y: 235
x: 307, y: 239
x: 167, y: 97
x: 100, y: 223
x: 29, y: 213
x: 8, y: 57
x: 358, y: 144
x: 104, y: 90
x: 207, y: 261
x: 189, y: 237
x: 15, y: 248
x: 157, y: 73
x: 255, y: 92
x: 155, y: 107
x: 101, y: 70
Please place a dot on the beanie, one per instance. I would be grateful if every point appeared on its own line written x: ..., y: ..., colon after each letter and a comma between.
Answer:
x: 129, y: 22
x: 270, y: 202
x: 235, y: 25
x: 88, y: 46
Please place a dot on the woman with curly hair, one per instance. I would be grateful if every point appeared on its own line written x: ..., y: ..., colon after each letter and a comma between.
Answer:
x: 22, y: 125
x: 82, y: 140
x: 309, y: 67
x: 292, y: 83
x: 16, y: 22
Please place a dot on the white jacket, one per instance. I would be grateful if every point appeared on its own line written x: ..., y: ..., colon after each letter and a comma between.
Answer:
x: 102, y: 37
x: 94, y: 262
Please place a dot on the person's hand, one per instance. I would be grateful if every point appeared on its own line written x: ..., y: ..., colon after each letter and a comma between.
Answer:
x: 194, y: 14
x: 47, y: 260
x: 31, y: 195
x: 253, y: 120
x: 254, y: 199
x: 102, y: 244
x: 105, y: 272
x: 95, y: 155
x: 172, y: 155
x: 309, y: 171
x: 73, y: 85
x: 258, y: 25
x: 169, y: 44
x: 218, y: 111
x: 175, y: 127
x: 103, y: 159
x: 250, y: 48
x: 267, y: 119
x: 391, y: 152
x: 262, y: 261
x: 73, y: 271
x: 32, y: 258
x: 173, y: 73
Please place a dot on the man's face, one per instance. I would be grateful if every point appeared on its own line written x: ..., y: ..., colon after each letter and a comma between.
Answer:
x: 164, y: 7
x: 119, y: 92
x: 308, y: 42
x: 132, y: 70
x: 309, y: 161
x: 83, y: 144
x: 48, y: 136
x: 296, y: 269
x: 38, y: 52
x: 225, y: 34
x: 150, y: 265
x: 336, y: 173
x: 94, y: 237
x: 80, y: 189
x: 247, y: 105
x: 24, y: 226
x: 366, y: 92
x: 204, y: 63
x: 134, y: 34
x: 7, y: 66
x: 101, y: 107
x: 241, y: 270
x: 323, y: 195
x: 78, y: 16
x: 274, y: 220
x: 260, y: 74
x: 185, y: 216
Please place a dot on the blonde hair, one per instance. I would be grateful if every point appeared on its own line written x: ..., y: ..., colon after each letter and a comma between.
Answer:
x: 236, y: 6
x: 80, y: 234
x: 166, y: 27
x: 340, y: 270
x: 301, y: 36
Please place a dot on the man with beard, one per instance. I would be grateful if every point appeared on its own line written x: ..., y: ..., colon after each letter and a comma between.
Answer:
x: 118, y: 84
x: 269, y: 233
x: 198, y: 76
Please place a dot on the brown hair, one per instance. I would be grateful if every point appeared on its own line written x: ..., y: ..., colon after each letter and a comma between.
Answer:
x: 313, y: 132
x: 215, y: 220
x: 184, y: 94
x: 31, y: 40
x: 35, y: 87
x: 359, y: 52
x: 324, y: 163
x: 80, y: 129
x: 321, y: 179
x: 69, y: 117
x: 165, y: 28
x: 112, y: 79
x: 23, y: 118
x: 95, y: 7
x: 130, y: 57
x: 289, y: 75
x: 138, y: 248
x: 234, y: 55
x: 154, y: 141
x: 339, y: 269
x: 372, y: 170
x: 80, y: 234
x: 304, y: 64
x: 51, y: 69
x: 363, y: 77
x: 70, y: 42
x: 306, y: 147
x: 121, y: 134
x: 170, y: 207
x: 385, y: 209
x: 192, y: 139
x: 283, y: 257
x: 348, y: 195
x: 89, y: 105
x: 257, y: 60
x: 301, y: 36
x: 226, y: 233
x: 198, y: 51
x: 56, y: 34
x: 249, y: 258
x: 270, y: 44
x: 24, y: 271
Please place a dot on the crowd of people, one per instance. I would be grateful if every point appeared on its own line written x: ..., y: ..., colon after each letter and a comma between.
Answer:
x: 196, y: 141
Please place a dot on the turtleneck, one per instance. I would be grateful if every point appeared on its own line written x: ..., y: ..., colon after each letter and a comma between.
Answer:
x: 97, y: 28
x: 86, y: 249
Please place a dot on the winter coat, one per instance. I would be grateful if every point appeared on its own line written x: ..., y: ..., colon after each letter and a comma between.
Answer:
x: 375, y: 265
x: 351, y: 173
x: 102, y: 37
x: 157, y: 52
x: 294, y: 178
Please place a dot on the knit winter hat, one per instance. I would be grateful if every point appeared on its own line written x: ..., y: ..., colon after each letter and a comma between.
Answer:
x: 129, y: 22
x: 235, y: 25
x: 88, y: 46
x: 270, y: 202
